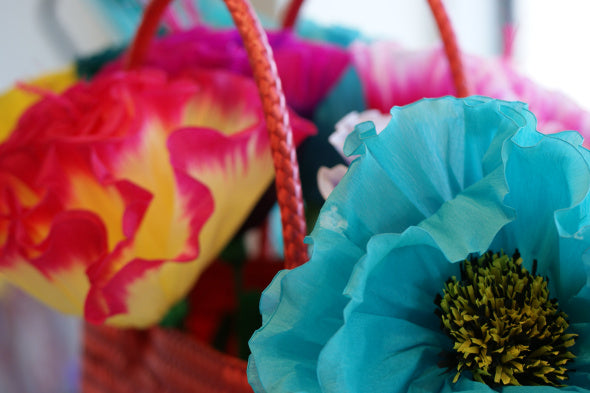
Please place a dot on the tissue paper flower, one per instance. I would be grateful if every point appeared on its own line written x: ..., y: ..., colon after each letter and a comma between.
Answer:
x: 302, y: 65
x: 118, y: 193
x: 387, y: 302
x: 392, y: 75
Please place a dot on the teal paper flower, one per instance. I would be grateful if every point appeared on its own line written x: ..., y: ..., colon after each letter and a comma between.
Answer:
x: 448, y: 179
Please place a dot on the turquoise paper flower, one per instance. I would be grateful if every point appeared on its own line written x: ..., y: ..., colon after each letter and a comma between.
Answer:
x: 447, y: 179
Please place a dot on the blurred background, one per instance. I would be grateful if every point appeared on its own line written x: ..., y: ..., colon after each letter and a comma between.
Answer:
x: 42, y: 35
x: 38, y: 347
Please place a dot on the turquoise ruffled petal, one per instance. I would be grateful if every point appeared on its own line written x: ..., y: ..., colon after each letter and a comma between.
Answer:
x: 542, y: 389
x: 446, y: 178
x: 390, y: 324
x: 387, y: 330
x: 385, y: 172
x: 582, y: 351
x: 578, y: 307
x: 571, y: 279
x: 398, y: 276
x: 469, y: 222
x: 396, y: 283
x: 253, y: 377
x: 454, y: 144
x: 405, y: 351
x: 424, y: 384
x: 287, y: 346
x: 548, y: 204
x: 573, y: 227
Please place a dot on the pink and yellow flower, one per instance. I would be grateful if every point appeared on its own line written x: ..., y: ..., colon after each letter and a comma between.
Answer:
x: 17, y: 99
x: 116, y: 195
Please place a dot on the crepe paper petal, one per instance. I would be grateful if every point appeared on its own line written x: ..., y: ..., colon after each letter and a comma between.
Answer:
x: 446, y: 179
x: 118, y: 193
x: 16, y: 100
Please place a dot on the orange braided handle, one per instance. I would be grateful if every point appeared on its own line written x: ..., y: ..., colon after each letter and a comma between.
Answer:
x: 449, y: 40
x: 279, y: 127
x: 265, y: 73
x: 445, y: 29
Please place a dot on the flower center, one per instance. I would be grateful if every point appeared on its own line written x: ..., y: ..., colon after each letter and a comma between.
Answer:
x: 506, y: 330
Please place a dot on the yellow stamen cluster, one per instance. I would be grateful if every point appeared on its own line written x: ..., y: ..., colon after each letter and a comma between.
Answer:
x: 506, y: 330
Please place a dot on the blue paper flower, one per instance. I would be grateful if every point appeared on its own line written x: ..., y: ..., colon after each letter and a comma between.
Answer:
x: 448, y: 178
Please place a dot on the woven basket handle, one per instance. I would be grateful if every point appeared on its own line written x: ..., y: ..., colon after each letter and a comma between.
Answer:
x: 274, y: 106
x: 445, y: 29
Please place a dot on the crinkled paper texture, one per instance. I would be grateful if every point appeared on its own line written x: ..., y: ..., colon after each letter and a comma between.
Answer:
x: 446, y: 178
x: 119, y: 192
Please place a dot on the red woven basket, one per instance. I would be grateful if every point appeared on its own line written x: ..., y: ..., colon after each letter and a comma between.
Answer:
x: 166, y: 360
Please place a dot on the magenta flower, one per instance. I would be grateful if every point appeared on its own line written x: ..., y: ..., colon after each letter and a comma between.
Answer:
x: 392, y: 75
x: 301, y: 64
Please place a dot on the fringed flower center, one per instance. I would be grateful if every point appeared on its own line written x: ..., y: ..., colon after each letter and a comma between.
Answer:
x: 506, y: 330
